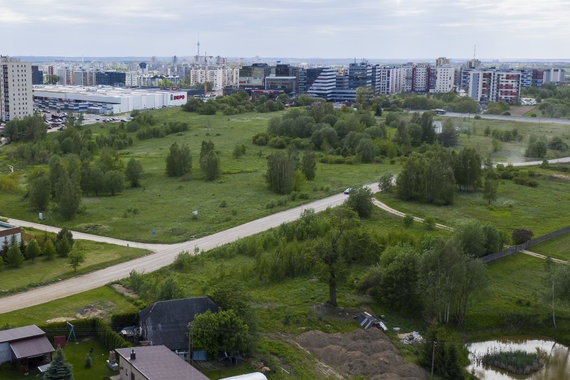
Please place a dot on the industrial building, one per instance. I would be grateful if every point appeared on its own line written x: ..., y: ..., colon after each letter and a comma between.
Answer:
x: 104, y: 100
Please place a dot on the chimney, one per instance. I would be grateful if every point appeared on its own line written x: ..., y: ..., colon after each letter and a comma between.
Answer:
x: 133, y: 355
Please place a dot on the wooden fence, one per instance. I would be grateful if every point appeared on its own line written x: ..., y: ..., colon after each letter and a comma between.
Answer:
x: 517, y: 248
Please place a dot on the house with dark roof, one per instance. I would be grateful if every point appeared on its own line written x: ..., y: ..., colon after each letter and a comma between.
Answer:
x: 154, y: 363
x: 166, y: 322
x: 27, y: 347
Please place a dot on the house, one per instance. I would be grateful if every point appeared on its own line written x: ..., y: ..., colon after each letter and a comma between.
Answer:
x: 154, y: 363
x: 166, y: 322
x: 9, y: 234
x: 27, y: 347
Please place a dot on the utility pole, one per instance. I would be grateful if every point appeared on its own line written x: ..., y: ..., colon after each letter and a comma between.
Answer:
x: 432, y: 358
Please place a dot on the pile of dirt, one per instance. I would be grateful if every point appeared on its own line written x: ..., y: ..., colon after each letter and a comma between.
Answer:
x: 127, y: 292
x: 366, y: 353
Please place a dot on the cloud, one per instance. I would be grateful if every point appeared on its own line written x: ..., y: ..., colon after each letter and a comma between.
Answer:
x: 374, y: 28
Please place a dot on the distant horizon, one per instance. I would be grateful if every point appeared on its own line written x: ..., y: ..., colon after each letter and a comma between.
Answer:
x: 493, y: 29
x: 269, y: 58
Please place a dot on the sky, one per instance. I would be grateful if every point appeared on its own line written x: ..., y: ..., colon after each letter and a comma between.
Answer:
x: 372, y: 29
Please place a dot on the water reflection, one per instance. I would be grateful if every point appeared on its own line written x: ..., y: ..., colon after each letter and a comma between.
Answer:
x: 557, y: 368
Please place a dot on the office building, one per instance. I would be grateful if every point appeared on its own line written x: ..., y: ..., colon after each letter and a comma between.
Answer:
x: 253, y: 77
x: 319, y: 82
x: 37, y: 75
x: 554, y: 75
x: 16, y: 99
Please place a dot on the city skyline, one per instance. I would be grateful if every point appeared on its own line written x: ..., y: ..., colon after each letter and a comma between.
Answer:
x: 391, y: 29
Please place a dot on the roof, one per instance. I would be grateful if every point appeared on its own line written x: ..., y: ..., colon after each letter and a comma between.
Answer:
x: 31, y: 347
x: 159, y: 363
x: 166, y: 322
x: 19, y: 333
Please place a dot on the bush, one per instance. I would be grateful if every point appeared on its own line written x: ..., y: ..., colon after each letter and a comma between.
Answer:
x: 88, y: 361
x: 429, y: 223
x: 520, y: 236
x: 360, y: 200
x: 407, y: 221
x: 261, y: 138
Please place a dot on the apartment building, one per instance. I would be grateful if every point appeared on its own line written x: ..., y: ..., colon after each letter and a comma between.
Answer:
x: 16, y: 96
x: 493, y: 85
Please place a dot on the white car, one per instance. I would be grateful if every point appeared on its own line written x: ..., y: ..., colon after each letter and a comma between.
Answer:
x: 347, y: 191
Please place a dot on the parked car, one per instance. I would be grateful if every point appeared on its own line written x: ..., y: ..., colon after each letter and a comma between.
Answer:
x: 347, y: 191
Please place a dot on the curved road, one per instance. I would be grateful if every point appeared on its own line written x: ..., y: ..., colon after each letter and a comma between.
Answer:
x: 164, y: 254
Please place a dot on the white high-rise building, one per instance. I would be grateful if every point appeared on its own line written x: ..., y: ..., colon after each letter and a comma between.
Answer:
x: 444, y: 79
x: 16, y: 96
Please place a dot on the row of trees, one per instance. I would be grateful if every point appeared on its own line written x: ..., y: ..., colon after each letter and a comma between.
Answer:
x: 434, y: 176
x: 14, y: 255
x: 235, y: 104
x: 179, y: 160
x: 286, y: 172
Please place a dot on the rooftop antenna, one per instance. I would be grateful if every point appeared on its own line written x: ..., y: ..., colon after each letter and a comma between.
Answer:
x: 474, y: 51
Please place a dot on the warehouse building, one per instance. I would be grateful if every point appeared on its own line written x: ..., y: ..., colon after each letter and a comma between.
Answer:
x: 103, y: 99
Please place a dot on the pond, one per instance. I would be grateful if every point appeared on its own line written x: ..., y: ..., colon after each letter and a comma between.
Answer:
x: 557, y: 368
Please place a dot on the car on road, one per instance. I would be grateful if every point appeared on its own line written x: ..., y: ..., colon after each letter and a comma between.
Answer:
x: 347, y: 191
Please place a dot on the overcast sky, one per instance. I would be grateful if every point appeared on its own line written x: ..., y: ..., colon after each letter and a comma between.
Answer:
x: 501, y: 29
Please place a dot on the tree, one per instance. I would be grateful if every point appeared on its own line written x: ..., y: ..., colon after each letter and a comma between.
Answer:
x: 133, y: 172
x: 169, y: 290
x: 67, y: 234
x: 178, y: 161
x: 442, y: 348
x: 521, y: 235
x: 365, y: 150
x: 14, y: 257
x: 223, y: 331
x: 536, y: 147
x: 210, y: 165
x: 448, y: 135
x: 49, y: 250
x: 330, y: 258
x: 398, y: 285
x: 490, y: 186
x: 360, y: 200
x: 63, y: 248
x: 448, y: 279
x: 280, y: 175
x: 309, y: 165
x: 114, y: 182
x: 51, y: 79
x: 362, y: 97
x: 59, y: 368
x: 76, y: 257
x: 96, y: 180
x: 467, y: 169
x: 69, y: 197
x: 386, y: 182
x: 33, y: 250
x: 39, y: 190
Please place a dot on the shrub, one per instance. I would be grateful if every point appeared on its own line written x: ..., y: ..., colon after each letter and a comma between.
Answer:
x: 407, y: 221
x: 429, y: 223
x: 520, y: 236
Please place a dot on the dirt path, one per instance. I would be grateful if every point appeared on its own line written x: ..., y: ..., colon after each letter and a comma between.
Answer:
x: 541, y: 256
x: 164, y: 254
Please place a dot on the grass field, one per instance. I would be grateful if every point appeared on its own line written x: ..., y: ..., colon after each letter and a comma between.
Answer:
x: 100, y: 302
x: 165, y: 205
x: 509, y: 151
x: 541, y: 209
x: 559, y: 247
x: 517, y: 301
x: 42, y: 271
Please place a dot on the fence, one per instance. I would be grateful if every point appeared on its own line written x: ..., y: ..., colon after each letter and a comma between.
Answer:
x: 525, y: 245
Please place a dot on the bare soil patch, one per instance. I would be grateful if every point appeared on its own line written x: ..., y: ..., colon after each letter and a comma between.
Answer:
x: 124, y: 291
x: 520, y: 110
x: 367, y: 353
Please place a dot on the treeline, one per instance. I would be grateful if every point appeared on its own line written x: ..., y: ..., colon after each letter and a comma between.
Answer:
x: 13, y: 255
x: 145, y: 124
x: 449, y: 101
x: 554, y: 100
x: 435, y: 176
x: 235, y: 104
